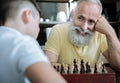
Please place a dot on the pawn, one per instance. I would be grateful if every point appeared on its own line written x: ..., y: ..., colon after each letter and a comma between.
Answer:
x: 54, y: 67
x: 58, y: 68
x: 62, y: 69
x: 68, y: 69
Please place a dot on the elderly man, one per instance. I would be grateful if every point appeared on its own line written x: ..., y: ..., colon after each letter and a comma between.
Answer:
x: 87, y: 37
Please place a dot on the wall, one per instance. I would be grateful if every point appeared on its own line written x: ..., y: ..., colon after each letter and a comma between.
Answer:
x: 49, y: 10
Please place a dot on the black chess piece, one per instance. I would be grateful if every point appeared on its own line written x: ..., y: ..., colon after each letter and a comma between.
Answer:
x: 54, y: 67
x: 82, y: 61
x: 75, y: 69
x: 58, y: 68
x: 103, y: 68
x: 87, y: 67
x: 82, y: 69
x: 95, y: 69
x: 74, y: 62
x: 68, y: 70
x: 62, y: 69
x: 88, y: 70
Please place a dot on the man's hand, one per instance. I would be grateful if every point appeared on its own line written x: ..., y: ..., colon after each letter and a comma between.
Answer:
x: 103, y: 26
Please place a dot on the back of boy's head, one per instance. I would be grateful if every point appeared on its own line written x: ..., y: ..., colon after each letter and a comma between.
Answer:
x: 10, y: 8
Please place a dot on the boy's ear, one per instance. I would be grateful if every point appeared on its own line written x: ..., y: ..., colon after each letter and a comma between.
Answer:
x: 26, y: 16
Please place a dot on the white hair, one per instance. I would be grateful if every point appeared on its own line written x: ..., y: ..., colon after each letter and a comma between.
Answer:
x: 93, y: 1
x: 77, y: 39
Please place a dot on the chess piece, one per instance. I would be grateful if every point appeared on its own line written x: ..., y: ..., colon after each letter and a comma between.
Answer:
x: 82, y: 61
x: 74, y: 62
x: 54, y: 67
x: 68, y: 69
x: 62, y: 69
x: 95, y: 68
x: 103, y: 68
x: 58, y: 68
x: 82, y: 69
x: 75, y: 69
x: 88, y: 70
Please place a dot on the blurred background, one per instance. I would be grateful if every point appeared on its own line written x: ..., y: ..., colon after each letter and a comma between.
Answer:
x: 58, y: 11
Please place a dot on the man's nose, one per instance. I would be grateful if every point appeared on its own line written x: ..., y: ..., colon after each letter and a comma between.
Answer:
x: 84, y: 26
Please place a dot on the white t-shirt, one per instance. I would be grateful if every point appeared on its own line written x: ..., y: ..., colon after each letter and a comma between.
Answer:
x: 17, y: 52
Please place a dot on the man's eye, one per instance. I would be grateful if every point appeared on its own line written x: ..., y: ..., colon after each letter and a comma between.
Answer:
x: 91, y: 22
x: 80, y: 18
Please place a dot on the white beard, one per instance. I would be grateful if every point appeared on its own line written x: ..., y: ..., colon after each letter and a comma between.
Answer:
x: 79, y: 39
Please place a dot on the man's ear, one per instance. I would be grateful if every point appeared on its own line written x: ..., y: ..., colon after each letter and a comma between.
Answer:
x: 26, y: 16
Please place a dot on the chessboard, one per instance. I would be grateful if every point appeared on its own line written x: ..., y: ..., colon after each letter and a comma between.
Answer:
x: 84, y: 73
